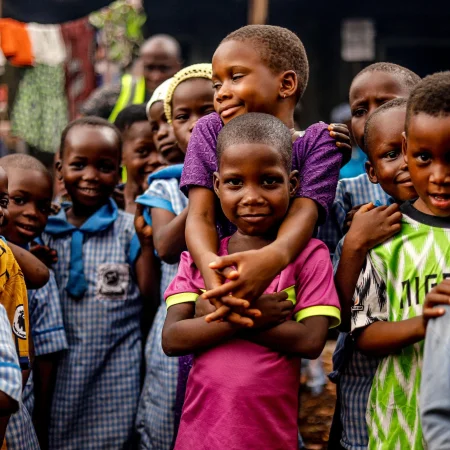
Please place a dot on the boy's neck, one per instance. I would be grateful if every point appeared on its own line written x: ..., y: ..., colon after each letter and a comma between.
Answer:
x: 130, y: 192
x: 78, y: 214
x: 241, y: 242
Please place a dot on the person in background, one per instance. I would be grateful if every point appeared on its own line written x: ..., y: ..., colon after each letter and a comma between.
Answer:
x: 373, y: 86
x: 139, y: 155
x: 353, y: 371
x: 161, y: 59
x: 104, y: 273
x: 388, y: 318
x: 30, y: 192
x: 343, y: 114
x: 244, y: 383
x: 187, y: 98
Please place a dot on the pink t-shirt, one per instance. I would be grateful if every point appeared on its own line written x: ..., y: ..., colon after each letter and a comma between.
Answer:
x: 241, y: 395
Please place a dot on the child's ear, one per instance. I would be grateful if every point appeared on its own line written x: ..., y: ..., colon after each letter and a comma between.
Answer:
x: 58, y: 166
x: 289, y: 84
x: 294, y: 183
x: 404, y: 147
x: 371, y: 172
x: 216, y: 183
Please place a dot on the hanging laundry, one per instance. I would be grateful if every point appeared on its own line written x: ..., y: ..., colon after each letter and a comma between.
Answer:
x: 15, y: 42
x: 79, y: 37
x: 47, y: 44
x: 40, y: 111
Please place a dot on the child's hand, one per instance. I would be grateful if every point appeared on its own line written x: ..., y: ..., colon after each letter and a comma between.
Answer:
x: 340, y: 132
x: 349, y: 217
x: 372, y: 226
x: 439, y: 295
x: 275, y: 308
x: 255, y: 269
x: 143, y: 230
x: 45, y: 254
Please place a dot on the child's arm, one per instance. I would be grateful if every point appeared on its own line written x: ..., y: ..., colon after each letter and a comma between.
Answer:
x: 370, y: 227
x: 35, y: 272
x: 147, y: 266
x: 183, y: 334
x: 169, y: 234
x: 385, y: 338
x: 305, y: 339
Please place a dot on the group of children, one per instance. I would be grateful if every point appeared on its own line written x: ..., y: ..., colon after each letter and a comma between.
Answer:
x: 227, y: 322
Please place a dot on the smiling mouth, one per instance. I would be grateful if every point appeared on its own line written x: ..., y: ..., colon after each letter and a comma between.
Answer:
x: 440, y: 200
x: 89, y: 191
x: 229, y: 111
x: 27, y: 228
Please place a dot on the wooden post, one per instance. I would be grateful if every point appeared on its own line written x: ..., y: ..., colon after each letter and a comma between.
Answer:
x: 257, y: 11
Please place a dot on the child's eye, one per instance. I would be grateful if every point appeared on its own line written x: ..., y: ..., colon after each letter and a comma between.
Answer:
x: 237, y: 76
x: 217, y: 86
x: 106, y: 168
x: 143, y: 151
x: 234, y: 182
x: 270, y: 181
x: 154, y: 127
x: 358, y: 112
x: 77, y: 165
x: 423, y: 157
x: 19, y: 201
x: 182, y: 117
x: 4, y: 202
x: 45, y: 208
x: 393, y: 154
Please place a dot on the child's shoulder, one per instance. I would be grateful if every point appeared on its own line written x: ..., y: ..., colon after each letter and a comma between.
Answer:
x: 317, y: 132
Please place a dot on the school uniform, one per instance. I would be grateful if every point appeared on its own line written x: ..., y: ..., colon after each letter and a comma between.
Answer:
x: 155, y: 418
x: 98, y: 380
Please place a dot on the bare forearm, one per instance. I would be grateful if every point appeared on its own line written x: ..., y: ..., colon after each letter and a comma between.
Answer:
x: 170, y: 239
x: 350, y: 266
x: 35, y: 272
x: 296, y: 229
x: 148, y: 275
x: 293, y: 338
x: 386, y: 338
x: 192, y: 335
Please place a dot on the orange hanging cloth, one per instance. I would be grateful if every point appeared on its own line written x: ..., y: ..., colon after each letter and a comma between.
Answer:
x: 15, y: 42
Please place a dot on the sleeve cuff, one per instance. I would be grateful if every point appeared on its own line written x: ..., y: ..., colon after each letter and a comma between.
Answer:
x: 185, y: 297
x: 330, y: 311
x: 50, y: 341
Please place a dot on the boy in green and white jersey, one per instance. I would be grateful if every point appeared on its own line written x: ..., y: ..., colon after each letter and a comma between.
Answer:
x: 387, y: 318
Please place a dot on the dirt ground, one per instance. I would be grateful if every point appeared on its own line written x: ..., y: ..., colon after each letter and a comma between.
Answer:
x: 316, y: 413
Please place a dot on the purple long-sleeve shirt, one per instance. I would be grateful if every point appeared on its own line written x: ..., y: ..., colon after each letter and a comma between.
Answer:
x: 315, y: 156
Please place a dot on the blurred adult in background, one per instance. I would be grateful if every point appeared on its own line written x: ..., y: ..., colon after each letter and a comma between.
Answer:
x: 159, y: 58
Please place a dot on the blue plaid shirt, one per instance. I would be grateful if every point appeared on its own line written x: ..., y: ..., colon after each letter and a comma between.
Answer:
x: 353, y: 371
x: 98, y: 380
x: 155, y: 418
x: 20, y: 434
x: 47, y: 328
x: 350, y: 192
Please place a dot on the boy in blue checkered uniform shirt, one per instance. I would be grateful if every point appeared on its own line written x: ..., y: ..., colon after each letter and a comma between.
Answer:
x: 353, y: 371
x: 373, y: 86
x: 30, y: 192
x: 104, y: 270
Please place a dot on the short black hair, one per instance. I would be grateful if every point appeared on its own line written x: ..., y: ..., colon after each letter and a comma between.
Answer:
x: 129, y: 115
x: 24, y: 162
x: 407, y: 77
x: 396, y: 103
x: 257, y: 128
x: 279, y: 48
x: 89, y: 121
x: 431, y: 96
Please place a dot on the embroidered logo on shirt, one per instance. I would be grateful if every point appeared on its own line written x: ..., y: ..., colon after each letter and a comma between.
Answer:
x: 18, y: 326
x: 113, y: 280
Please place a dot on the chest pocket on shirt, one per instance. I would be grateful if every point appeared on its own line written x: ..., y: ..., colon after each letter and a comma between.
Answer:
x: 112, y: 281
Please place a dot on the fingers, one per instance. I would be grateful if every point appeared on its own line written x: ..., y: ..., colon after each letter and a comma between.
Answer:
x: 286, y: 305
x: 365, y: 208
x: 430, y: 313
x: 224, y: 261
x: 240, y: 320
x: 222, y: 290
x: 339, y: 128
x: 254, y: 312
x: 229, y: 273
x: 218, y: 314
x: 231, y: 301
